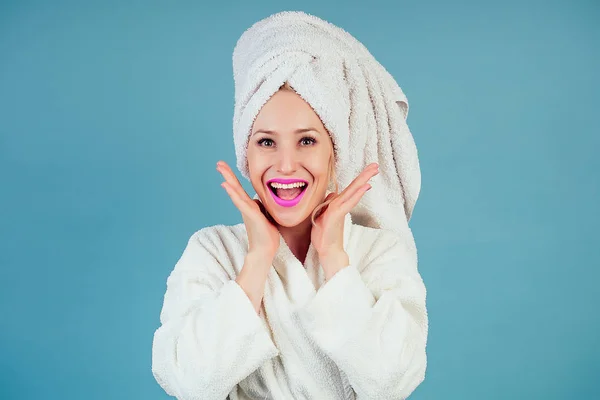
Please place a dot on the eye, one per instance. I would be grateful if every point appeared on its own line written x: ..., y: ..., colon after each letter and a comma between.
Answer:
x: 266, y: 142
x: 308, y: 140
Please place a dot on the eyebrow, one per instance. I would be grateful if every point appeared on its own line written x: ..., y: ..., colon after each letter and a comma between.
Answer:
x: 301, y: 130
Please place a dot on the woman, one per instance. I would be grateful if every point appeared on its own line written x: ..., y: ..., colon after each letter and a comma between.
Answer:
x: 298, y: 301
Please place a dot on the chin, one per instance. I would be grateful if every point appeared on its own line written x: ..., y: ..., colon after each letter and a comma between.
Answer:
x: 290, y: 217
x: 290, y: 221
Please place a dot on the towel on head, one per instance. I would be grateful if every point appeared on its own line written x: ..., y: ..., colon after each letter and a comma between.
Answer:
x: 358, y: 101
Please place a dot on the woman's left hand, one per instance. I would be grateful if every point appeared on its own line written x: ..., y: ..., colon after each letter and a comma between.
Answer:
x: 327, y: 234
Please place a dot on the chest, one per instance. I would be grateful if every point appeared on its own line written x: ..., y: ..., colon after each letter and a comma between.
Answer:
x: 301, y: 370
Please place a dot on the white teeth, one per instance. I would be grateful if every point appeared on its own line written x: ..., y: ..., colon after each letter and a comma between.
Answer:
x: 287, y: 185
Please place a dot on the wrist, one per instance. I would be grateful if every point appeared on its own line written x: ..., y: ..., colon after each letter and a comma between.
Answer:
x: 331, y: 254
x: 332, y: 262
x: 256, y: 257
x: 253, y: 276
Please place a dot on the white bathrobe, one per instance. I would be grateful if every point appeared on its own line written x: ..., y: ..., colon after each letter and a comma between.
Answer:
x: 361, y: 335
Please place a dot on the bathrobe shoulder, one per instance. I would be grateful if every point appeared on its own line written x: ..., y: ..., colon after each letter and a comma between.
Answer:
x: 210, y: 336
x: 362, y: 334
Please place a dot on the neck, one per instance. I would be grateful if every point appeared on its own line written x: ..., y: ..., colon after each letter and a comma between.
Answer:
x: 297, y: 238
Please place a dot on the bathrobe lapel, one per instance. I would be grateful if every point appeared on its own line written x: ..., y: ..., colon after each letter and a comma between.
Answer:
x: 300, y: 282
x: 290, y: 286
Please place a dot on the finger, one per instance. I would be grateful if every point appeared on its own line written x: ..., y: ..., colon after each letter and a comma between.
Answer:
x: 370, y: 171
x: 329, y: 196
x: 228, y: 174
x: 324, y: 208
x: 233, y: 181
x: 241, y: 205
x: 353, y: 200
x: 366, y: 174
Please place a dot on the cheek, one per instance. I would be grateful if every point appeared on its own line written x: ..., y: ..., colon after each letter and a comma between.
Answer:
x: 318, y: 165
x: 320, y: 171
x: 257, y: 166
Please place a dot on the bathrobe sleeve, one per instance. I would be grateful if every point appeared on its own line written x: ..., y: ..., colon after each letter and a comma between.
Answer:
x: 210, y: 337
x: 372, y: 321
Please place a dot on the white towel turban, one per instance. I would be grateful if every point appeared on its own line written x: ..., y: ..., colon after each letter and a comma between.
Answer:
x: 358, y: 101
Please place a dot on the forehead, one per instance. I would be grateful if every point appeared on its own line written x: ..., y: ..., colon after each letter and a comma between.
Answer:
x: 287, y: 113
x: 298, y: 131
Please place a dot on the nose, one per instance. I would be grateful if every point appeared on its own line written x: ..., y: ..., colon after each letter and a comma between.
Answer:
x: 287, y: 162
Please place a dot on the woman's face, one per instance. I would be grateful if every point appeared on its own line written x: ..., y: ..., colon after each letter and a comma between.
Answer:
x: 289, y: 152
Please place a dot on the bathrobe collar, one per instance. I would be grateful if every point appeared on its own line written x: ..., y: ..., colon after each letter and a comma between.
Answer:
x: 302, y: 281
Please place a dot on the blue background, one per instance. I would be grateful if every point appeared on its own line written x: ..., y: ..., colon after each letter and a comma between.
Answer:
x: 113, y: 115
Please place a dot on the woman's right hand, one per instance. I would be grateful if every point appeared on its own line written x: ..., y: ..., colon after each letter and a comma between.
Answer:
x: 263, y: 235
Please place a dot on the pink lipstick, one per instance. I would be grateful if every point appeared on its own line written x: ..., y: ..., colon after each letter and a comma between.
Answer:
x: 291, y: 202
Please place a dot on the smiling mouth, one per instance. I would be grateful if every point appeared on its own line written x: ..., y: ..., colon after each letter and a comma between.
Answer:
x: 287, y: 193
